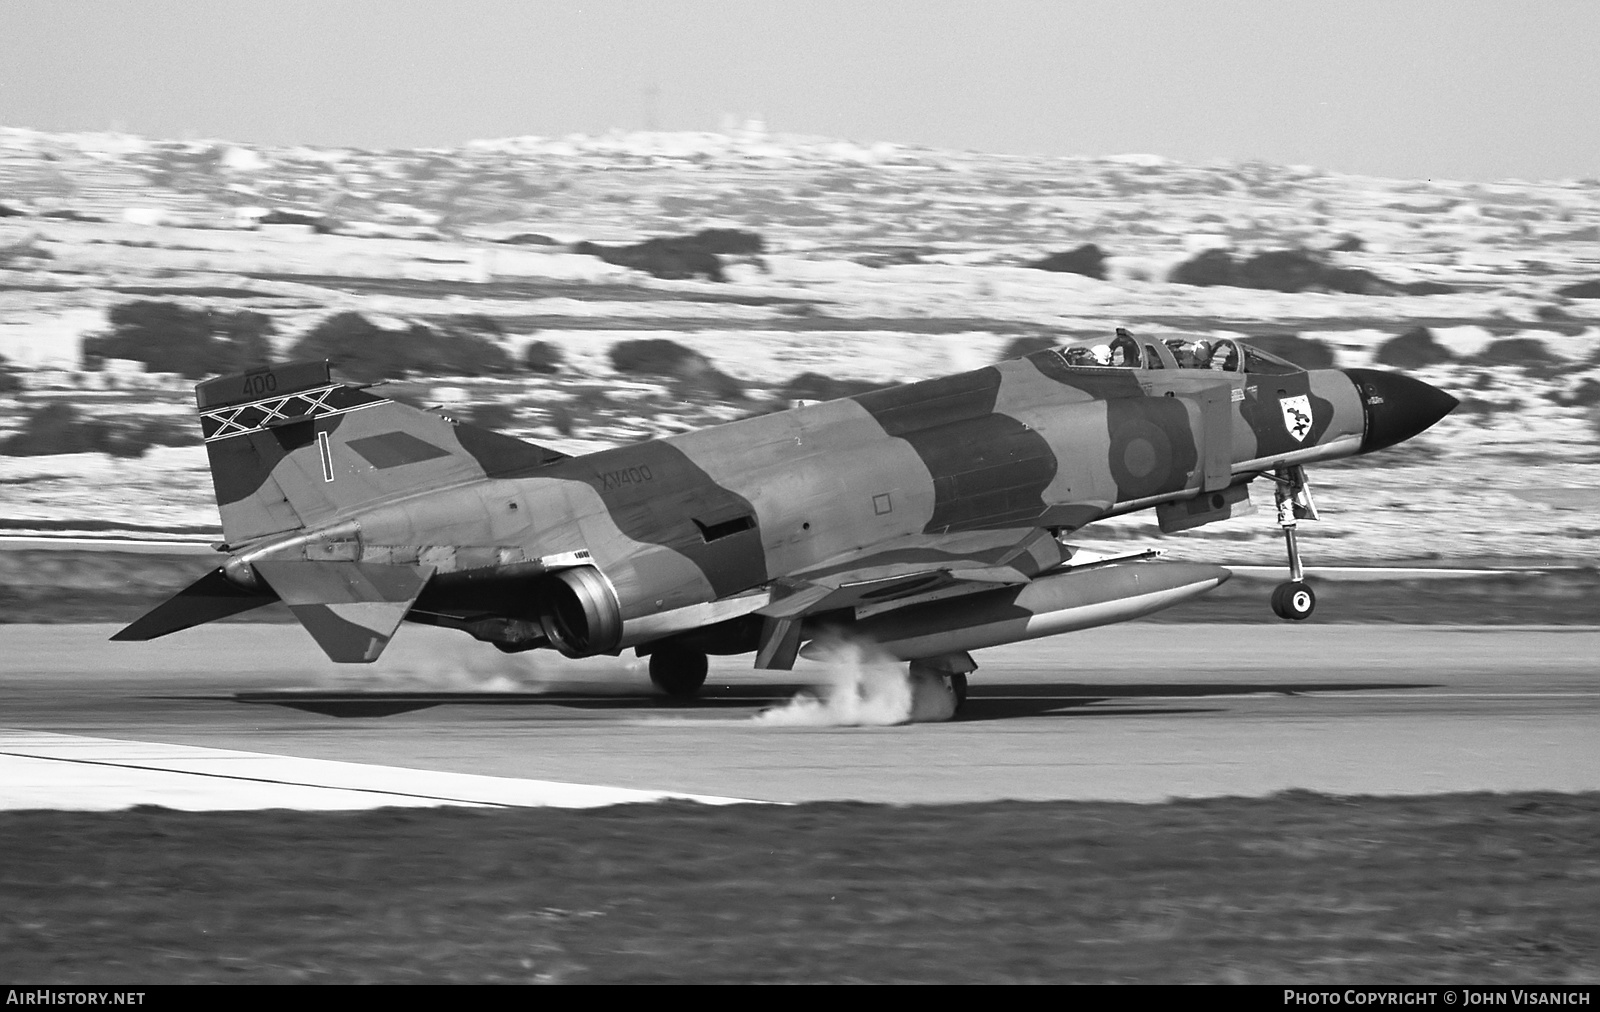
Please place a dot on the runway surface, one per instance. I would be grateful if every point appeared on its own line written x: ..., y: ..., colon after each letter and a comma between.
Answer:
x: 1137, y: 712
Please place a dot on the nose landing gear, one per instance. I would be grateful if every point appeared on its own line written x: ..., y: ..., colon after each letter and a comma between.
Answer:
x: 1294, y: 600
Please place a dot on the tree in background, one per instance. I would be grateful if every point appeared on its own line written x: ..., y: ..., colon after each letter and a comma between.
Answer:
x: 693, y: 377
x: 367, y: 353
x: 357, y: 347
x: 9, y: 383
x: 60, y: 427
x: 542, y: 357
x: 168, y: 337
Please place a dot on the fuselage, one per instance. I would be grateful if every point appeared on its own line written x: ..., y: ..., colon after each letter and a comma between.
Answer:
x: 677, y: 525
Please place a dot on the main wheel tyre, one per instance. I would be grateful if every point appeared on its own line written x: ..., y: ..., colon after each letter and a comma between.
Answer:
x: 1294, y: 601
x: 678, y: 672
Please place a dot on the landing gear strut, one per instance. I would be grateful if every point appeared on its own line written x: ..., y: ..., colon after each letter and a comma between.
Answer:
x: 677, y: 671
x: 1294, y: 600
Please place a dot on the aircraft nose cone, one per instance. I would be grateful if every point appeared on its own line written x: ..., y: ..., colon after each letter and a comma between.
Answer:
x: 1397, y: 406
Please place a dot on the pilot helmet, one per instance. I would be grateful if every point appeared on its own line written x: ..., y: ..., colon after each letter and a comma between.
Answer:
x: 1101, y: 353
x: 1190, y: 354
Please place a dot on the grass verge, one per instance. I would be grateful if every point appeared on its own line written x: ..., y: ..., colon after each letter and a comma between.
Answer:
x: 1294, y: 888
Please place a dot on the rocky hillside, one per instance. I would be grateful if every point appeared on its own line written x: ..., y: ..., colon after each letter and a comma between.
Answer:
x: 870, y: 264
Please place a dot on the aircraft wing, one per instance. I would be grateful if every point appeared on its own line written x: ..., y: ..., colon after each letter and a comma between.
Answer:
x: 918, y: 564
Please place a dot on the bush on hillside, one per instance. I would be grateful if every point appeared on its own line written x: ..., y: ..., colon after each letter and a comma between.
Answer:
x: 317, y: 222
x: 475, y: 323
x: 1205, y: 269
x: 543, y: 357
x: 58, y: 427
x: 1021, y: 347
x: 892, y: 256
x: 1517, y: 351
x: 25, y: 248
x: 367, y: 353
x: 1581, y: 290
x: 168, y: 337
x: 68, y: 214
x: 1288, y: 270
x: 1425, y: 288
x: 1298, y: 270
x: 679, y: 257
x: 814, y: 386
x: 357, y: 347
x: 528, y: 239
x: 1088, y: 260
x: 653, y: 356
x: 1413, y: 349
x: 669, y: 259
x: 693, y: 375
x: 1584, y: 395
x: 455, y: 352
x: 729, y: 241
x: 55, y: 427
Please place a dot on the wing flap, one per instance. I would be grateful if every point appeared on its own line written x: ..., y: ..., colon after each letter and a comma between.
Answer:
x: 350, y: 608
x: 209, y: 598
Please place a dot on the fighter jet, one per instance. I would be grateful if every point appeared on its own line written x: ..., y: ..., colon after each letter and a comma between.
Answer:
x: 931, y: 518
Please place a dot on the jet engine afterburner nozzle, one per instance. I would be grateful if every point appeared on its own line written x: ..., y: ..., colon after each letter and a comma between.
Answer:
x: 1397, y: 407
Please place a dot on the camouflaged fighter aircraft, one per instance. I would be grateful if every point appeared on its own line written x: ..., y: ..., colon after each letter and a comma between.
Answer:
x: 928, y: 517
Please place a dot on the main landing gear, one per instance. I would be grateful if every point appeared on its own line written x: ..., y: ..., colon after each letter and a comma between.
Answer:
x: 678, y: 671
x: 1294, y: 600
x: 952, y: 668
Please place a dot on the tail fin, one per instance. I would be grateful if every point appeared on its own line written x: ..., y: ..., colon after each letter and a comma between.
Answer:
x: 290, y: 447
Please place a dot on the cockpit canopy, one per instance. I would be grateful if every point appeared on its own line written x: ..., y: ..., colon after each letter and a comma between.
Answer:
x: 1125, y: 351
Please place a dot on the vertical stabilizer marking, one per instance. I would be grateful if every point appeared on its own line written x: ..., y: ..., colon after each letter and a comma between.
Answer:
x: 327, y: 456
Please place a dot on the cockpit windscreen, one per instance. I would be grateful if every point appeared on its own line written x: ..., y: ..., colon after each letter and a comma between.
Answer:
x: 1125, y: 351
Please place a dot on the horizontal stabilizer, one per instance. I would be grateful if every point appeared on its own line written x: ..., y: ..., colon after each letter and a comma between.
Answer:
x: 209, y: 598
x: 350, y: 608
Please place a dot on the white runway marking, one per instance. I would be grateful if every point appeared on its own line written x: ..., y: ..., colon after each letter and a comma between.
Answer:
x: 61, y: 771
x: 1360, y: 574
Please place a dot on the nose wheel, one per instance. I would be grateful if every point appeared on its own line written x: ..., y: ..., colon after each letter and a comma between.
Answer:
x: 1294, y: 600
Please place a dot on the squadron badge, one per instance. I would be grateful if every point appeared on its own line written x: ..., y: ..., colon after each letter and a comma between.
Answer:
x: 1296, y: 416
